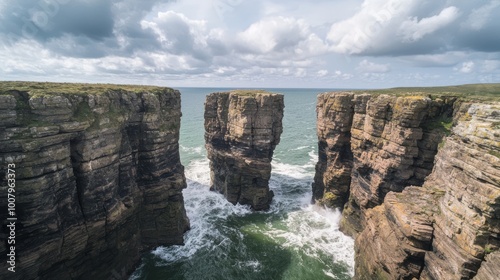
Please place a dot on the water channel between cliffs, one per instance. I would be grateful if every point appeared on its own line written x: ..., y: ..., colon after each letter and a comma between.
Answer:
x: 293, y: 240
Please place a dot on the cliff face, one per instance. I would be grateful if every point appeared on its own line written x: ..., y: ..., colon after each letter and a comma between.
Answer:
x: 409, y: 225
x: 98, y: 177
x: 242, y: 128
x: 371, y: 145
x: 448, y: 228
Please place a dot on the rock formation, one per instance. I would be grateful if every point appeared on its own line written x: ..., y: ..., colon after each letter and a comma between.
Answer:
x: 242, y: 128
x: 415, y: 214
x: 98, y: 177
x: 371, y: 145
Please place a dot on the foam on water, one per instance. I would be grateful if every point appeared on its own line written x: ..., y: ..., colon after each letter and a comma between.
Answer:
x: 314, y: 231
x: 204, y: 208
x: 293, y: 240
x: 194, y: 150
x: 305, y: 230
x: 311, y: 229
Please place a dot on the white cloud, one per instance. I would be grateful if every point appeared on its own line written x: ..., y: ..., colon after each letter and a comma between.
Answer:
x: 273, y: 34
x: 268, y: 43
x: 311, y: 46
x: 300, y: 73
x: 322, y: 73
x: 480, y: 16
x: 370, y: 67
x: 490, y: 66
x: 467, y: 67
x: 368, y: 26
x: 437, y: 60
x: 342, y: 76
x: 176, y: 32
x: 414, y: 30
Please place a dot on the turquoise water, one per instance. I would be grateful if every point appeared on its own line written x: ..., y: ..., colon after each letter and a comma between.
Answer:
x: 293, y: 240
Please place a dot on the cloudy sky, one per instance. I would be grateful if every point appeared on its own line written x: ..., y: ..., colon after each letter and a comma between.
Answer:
x: 252, y: 43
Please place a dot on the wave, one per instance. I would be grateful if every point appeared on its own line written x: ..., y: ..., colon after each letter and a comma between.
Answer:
x: 204, y: 209
x: 195, y: 150
x: 315, y: 232
x: 218, y: 227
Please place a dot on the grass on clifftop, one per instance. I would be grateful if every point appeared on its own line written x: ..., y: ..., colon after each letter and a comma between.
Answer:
x: 479, y: 92
x: 45, y: 88
x: 251, y: 92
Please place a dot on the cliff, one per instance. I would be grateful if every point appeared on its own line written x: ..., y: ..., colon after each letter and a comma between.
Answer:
x: 98, y: 177
x: 419, y: 178
x: 242, y: 128
x: 370, y: 145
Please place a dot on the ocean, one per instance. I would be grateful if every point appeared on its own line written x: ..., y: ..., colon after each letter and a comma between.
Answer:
x: 293, y: 240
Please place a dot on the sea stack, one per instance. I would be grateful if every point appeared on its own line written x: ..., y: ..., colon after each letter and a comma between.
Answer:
x: 242, y: 128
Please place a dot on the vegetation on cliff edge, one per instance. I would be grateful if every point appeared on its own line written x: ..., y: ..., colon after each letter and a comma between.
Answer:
x: 46, y: 88
x: 470, y: 92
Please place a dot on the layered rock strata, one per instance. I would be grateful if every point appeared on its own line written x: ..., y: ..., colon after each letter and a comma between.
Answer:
x: 409, y: 225
x: 450, y: 227
x: 98, y: 177
x: 242, y: 129
x: 371, y: 145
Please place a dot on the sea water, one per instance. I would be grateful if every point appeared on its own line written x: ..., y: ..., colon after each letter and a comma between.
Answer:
x: 293, y: 240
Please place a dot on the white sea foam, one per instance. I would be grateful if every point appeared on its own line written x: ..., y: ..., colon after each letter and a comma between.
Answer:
x: 253, y: 264
x: 304, y: 227
x: 301, y: 148
x: 311, y: 229
x: 203, y: 208
x: 314, y: 231
x: 193, y: 150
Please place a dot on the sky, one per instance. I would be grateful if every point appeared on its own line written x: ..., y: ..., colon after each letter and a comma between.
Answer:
x: 252, y: 43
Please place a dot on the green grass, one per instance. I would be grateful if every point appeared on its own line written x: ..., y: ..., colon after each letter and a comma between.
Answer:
x: 83, y: 112
x: 442, y: 143
x: 470, y: 92
x: 489, y: 249
x: 251, y: 92
x: 494, y: 153
x: 45, y: 88
x: 443, y: 123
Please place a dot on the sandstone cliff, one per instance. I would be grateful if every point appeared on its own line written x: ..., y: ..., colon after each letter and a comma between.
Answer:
x: 416, y: 212
x: 98, y: 177
x: 242, y: 128
x: 371, y: 145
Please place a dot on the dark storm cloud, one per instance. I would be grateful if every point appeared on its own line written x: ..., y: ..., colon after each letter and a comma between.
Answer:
x: 47, y: 19
x: 484, y: 40
x: 79, y: 28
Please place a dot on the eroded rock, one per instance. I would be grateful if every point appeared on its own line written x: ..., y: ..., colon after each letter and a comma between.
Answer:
x: 409, y: 222
x: 98, y: 177
x: 242, y: 128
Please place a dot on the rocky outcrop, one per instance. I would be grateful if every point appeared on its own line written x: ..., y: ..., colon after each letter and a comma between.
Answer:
x: 242, y: 128
x: 335, y: 114
x: 449, y: 228
x: 370, y: 145
x: 409, y: 225
x: 98, y: 177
